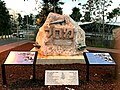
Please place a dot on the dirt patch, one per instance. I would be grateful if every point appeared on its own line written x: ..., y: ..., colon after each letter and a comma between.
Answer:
x: 18, y: 77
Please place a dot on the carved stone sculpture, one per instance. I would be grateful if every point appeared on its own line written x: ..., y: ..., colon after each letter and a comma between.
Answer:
x: 60, y: 35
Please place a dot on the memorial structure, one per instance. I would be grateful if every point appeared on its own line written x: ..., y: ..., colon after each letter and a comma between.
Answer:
x: 60, y: 36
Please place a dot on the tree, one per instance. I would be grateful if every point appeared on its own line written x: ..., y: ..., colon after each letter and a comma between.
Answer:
x: 19, y: 19
x: 55, y: 5
x: 48, y: 6
x: 51, y: 6
x: 25, y: 21
x: 76, y: 15
x: 31, y: 19
x: 114, y: 14
x: 87, y: 17
x: 4, y: 19
x: 98, y: 10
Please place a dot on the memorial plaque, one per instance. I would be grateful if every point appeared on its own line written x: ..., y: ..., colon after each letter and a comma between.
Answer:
x: 21, y: 57
x: 61, y: 77
x: 99, y: 58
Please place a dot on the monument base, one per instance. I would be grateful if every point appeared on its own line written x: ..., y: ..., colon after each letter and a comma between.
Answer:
x: 59, y: 59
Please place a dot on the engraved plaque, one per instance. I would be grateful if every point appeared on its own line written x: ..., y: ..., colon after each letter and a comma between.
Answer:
x: 61, y: 77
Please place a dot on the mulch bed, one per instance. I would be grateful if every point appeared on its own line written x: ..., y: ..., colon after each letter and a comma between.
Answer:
x: 18, y: 77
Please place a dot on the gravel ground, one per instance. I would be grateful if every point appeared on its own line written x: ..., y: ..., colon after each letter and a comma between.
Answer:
x: 18, y: 77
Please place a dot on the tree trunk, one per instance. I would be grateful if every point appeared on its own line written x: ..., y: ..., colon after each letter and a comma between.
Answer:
x: 2, y: 36
x: 5, y: 35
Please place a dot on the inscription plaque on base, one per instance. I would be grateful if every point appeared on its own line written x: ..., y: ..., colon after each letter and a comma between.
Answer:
x: 61, y: 77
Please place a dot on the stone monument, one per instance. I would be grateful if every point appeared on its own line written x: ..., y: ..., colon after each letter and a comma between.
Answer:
x: 60, y: 36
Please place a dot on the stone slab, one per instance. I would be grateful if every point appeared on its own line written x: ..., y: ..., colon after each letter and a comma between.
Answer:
x: 61, y: 60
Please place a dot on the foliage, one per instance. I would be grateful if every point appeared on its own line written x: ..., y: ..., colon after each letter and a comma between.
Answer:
x: 27, y: 19
x: 19, y: 19
x: 31, y: 19
x: 98, y: 9
x: 97, y: 12
x: 115, y: 13
x: 76, y: 15
x: 47, y: 7
x: 87, y: 17
x: 4, y: 19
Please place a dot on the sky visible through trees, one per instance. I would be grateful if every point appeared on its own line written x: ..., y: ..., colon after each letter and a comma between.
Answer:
x: 29, y: 6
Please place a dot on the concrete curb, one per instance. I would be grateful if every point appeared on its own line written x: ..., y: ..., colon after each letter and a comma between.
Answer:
x: 103, y: 50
